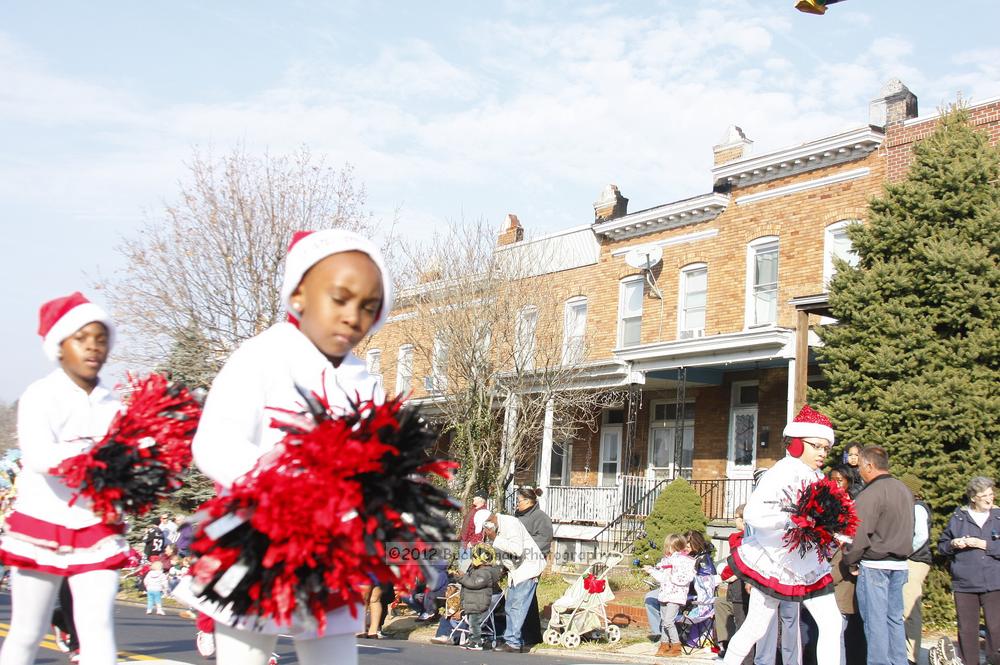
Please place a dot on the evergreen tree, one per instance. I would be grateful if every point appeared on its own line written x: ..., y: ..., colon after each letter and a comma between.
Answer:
x: 676, y: 510
x: 912, y: 363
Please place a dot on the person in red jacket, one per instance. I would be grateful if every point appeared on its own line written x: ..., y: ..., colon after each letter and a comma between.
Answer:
x: 469, y: 537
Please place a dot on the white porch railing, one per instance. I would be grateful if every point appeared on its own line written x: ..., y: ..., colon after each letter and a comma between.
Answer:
x: 582, y: 504
x: 634, y: 494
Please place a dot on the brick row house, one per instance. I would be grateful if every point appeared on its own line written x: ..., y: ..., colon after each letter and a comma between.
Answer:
x: 699, y: 310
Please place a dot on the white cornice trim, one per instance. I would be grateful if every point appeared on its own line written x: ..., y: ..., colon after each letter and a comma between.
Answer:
x: 668, y: 216
x: 848, y: 146
x: 712, y: 350
x: 679, y: 240
x: 803, y: 186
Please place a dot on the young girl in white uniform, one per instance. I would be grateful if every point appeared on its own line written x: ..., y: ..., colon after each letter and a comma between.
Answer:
x: 763, y: 559
x: 45, y: 538
x: 337, y: 291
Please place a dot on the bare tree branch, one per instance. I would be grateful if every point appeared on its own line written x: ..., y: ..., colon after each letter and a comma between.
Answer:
x: 207, y: 273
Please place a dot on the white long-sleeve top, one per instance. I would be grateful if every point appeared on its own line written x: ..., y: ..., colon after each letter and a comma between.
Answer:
x: 57, y: 419
x: 674, y: 573
x: 515, y: 540
x: 256, y: 385
x: 763, y: 547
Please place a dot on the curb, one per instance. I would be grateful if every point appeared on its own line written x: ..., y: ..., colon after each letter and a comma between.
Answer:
x: 422, y: 633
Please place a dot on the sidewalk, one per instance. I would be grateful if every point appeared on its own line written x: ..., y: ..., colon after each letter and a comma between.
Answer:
x: 635, y: 648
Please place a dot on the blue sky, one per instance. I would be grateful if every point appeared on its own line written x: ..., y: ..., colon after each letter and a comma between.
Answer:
x: 447, y: 110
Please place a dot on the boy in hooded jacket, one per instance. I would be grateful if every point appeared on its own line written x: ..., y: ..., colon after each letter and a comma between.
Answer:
x: 478, y: 585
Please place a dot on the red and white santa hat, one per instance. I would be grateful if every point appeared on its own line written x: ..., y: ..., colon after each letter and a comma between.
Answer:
x: 810, y: 423
x: 60, y: 318
x: 310, y: 247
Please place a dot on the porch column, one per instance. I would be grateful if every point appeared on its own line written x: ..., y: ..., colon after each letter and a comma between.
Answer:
x: 801, y: 358
x: 511, y: 409
x: 545, y: 463
x: 792, y: 383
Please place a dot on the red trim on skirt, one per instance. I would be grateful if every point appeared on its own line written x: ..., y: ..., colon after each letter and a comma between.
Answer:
x: 113, y: 563
x: 775, y: 588
x: 58, y: 537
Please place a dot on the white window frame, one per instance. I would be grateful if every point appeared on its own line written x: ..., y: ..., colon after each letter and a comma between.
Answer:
x: 754, y: 248
x: 574, y: 346
x: 525, y: 340
x: 830, y: 234
x: 439, y: 363
x: 404, y: 369
x: 373, y: 363
x: 624, y: 286
x: 684, y: 331
x: 689, y: 423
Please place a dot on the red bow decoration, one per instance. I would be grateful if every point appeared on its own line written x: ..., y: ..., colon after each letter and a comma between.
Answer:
x: 593, y: 584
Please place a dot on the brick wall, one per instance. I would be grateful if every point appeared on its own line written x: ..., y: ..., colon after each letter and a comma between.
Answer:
x: 897, y: 149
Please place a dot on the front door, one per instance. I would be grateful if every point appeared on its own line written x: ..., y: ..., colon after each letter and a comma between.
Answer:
x: 611, y: 450
x: 742, y: 442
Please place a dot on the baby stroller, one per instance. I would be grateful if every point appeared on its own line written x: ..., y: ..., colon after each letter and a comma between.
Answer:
x: 488, y: 625
x: 582, y: 609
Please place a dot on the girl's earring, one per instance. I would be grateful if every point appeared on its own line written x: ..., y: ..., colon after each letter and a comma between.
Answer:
x: 297, y: 306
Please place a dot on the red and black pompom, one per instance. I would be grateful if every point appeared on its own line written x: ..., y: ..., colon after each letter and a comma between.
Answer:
x: 822, y: 515
x: 302, y: 533
x: 141, y: 458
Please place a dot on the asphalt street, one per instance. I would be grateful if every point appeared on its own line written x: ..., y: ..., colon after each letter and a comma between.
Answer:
x: 169, y: 640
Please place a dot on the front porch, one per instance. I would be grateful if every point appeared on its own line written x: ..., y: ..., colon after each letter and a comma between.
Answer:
x: 634, y: 496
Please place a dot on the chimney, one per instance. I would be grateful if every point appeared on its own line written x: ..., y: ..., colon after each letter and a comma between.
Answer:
x: 734, y: 145
x: 610, y: 205
x: 513, y: 233
x: 896, y: 104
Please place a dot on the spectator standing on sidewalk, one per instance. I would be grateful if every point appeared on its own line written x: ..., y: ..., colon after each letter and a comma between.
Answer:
x: 881, y: 547
x: 918, y: 565
x: 468, y: 537
x: 539, y: 525
x: 155, y: 582
x: 972, y: 542
x: 525, y: 564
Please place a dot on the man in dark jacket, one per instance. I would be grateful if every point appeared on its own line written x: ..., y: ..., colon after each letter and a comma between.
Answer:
x: 477, y: 591
x: 881, y: 547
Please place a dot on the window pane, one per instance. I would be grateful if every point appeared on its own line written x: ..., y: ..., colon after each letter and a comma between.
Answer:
x: 663, y: 438
x: 615, y: 416
x: 745, y: 433
x: 687, y: 451
x: 748, y: 394
x: 631, y: 331
x: 694, y: 319
x: 556, y: 464
x: 766, y: 266
x: 696, y: 280
x: 632, y: 299
x: 765, y: 307
x: 842, y: 247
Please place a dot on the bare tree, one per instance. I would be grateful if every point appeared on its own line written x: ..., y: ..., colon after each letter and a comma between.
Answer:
x: 207, y: 274
x: 489, y: 324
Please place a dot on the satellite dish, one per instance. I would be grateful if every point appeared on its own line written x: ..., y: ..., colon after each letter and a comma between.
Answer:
x: 644, y: 258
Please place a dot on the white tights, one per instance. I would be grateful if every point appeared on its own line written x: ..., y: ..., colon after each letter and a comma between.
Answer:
x: 763, y: 610
x: 33, y: 596
x: 246, y: 647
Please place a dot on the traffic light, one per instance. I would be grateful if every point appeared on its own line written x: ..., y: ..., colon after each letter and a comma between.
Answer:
x: 814, y: 6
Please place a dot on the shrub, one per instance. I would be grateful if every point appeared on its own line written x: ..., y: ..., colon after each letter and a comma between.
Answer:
x: 676, y: 510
